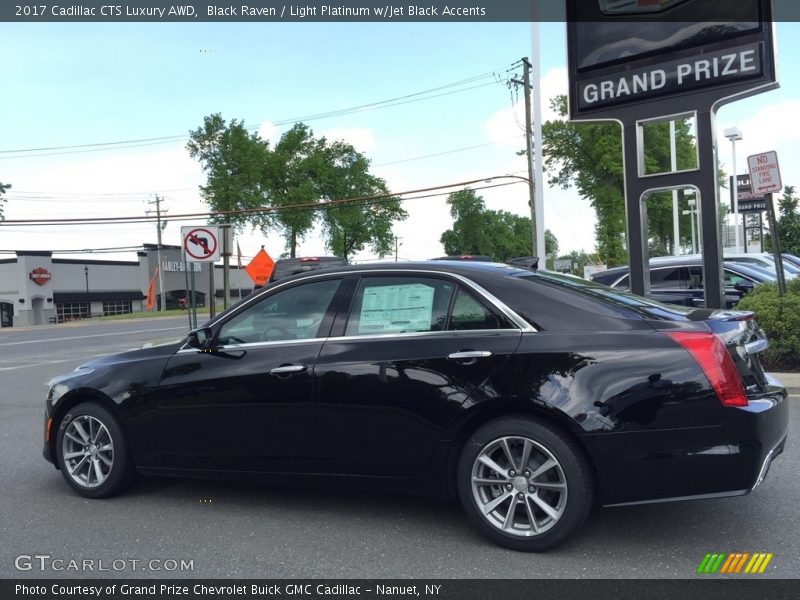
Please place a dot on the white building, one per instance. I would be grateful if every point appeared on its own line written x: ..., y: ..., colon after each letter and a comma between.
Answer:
x: 36, y: 288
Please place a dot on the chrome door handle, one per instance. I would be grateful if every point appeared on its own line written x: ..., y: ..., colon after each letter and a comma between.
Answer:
x: 469, y: 354
x: 287, y: 369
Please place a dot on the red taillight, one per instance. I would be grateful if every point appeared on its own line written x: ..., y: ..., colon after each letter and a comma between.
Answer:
x: 712, y: 356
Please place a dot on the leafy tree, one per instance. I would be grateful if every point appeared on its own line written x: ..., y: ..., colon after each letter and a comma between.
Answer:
x: 788, y: 223
x: 588, y: 156
x: 244, y: 172
x: 350, y: 227
x: 477, y: 230
x: 233, y: 160
x: 3, y: 188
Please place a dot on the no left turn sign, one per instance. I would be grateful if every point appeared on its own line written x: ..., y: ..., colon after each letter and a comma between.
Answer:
x: 201, y: 243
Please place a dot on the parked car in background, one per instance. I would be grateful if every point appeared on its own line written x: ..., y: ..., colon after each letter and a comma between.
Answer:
x: 528, y: 396
x: 795, y: 260
x: 765, y: 261
x: 474, y: 257
x: 286, y: 267
x: 679, y: 280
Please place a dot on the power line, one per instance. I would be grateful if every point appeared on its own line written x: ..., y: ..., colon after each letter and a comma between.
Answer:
x: 133, y: 143
x: 263, y: 209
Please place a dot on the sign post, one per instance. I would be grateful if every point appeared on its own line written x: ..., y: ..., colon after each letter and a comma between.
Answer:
x: 201, y: 244
x: 765, y: 178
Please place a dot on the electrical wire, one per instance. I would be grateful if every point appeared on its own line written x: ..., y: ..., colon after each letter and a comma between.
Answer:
x: 134, y: 143
x: 263, y: 209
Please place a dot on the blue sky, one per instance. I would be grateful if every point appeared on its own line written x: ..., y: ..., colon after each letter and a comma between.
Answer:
x: 71, y: 84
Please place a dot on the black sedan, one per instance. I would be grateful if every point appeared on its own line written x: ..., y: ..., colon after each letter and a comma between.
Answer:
x: 679, y: 280
x: 529, y: 396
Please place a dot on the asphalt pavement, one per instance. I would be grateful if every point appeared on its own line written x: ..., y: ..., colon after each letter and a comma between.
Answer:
x: 265, y: 531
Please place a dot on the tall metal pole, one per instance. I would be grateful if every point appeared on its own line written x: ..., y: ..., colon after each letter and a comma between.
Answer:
x: 676, y: 220
x: 735, y: 197
x: 226, y: 263
x: 163, y: 295
x: 526, y: 78
x: 538, y: 165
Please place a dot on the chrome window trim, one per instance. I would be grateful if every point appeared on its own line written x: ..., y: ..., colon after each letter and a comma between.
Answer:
x: 250, y: 345
x: 423, y: 334
x: 493, y: 301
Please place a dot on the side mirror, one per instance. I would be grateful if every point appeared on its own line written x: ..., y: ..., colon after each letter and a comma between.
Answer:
x: 744, y: 286
x: 199, y: 338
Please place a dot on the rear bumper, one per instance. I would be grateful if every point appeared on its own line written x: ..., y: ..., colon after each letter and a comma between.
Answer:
x: 680, y: 464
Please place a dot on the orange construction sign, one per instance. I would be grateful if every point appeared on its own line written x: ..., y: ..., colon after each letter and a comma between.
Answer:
x: 260, y: 268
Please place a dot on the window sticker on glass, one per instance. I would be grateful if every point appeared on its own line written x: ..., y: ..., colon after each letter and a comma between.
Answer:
x: 396, y: 308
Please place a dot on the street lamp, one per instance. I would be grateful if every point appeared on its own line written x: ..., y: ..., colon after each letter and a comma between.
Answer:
x: 692, y: 212
x: 86, y: 274
x: 735, y: 135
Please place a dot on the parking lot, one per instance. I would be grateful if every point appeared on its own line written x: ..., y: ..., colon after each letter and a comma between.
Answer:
x: 226, y: 529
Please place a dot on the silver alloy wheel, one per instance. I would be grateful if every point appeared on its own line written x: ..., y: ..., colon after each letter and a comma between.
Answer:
x: 88, y: 451
x: 519, y: 486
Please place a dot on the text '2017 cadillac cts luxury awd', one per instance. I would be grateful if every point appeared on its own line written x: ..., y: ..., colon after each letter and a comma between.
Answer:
x: 529, y: 396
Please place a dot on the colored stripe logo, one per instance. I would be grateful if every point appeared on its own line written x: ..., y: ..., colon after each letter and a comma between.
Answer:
x: 734, y: 563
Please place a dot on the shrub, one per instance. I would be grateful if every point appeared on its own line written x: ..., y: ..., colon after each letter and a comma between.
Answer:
x: 780, y: 320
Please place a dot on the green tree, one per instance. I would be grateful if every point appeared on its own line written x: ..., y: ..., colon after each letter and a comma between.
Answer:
x: 350, y: 227
x: 301, y: 171
x: 588, y: 156
x: 3, y: 188
x: 477, y: 230
x: 233, y: 160
x: 788, y: 223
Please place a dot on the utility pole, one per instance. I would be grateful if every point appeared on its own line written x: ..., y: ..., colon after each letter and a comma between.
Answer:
x: 226, y: 261
x: 526, y: 85
x: 159, y: 227
x: 396, y: 246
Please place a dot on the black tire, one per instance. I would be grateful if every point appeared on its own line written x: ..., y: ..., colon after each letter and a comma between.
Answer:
x: 568, y: 483
x: 118, y: 476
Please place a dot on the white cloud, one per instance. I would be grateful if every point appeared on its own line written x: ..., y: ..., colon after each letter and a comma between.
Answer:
x: 507, y: 126
x: 267, y: 131
x: 773, y: 127
x: 361, y: 138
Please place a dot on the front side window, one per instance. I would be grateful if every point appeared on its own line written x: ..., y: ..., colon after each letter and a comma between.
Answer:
x: 295, y: 313
x: 670, y: 278
x: 399, y: 305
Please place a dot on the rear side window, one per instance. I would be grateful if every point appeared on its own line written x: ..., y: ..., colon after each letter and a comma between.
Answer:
x: 469, y: 315
x: 385, y: 305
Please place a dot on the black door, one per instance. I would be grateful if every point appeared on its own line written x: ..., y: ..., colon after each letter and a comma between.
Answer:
x: 394, y: 372
x: 239, y: 406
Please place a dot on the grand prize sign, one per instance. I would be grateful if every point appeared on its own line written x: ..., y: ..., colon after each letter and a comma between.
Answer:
x: 645, y: 62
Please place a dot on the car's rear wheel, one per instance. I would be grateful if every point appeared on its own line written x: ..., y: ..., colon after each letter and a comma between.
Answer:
x: 92, y: 452
x: 524, y: 484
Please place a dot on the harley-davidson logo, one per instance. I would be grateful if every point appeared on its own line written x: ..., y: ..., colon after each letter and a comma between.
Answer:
x: 612, y: 7
x: 40, y: 275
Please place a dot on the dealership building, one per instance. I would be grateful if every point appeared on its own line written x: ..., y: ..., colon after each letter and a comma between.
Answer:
x: 37, y: 289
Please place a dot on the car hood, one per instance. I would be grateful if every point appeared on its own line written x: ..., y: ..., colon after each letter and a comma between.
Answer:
x: 147, y: 353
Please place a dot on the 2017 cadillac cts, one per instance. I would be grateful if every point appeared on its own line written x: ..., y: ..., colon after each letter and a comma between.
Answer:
x: 529, y: 396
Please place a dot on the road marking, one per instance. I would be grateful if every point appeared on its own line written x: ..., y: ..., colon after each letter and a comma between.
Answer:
x: 50, y: 362
x: 82, y: 337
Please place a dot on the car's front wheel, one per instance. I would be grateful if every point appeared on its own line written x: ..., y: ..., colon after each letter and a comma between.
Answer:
x: 92, y: 452
x: 524, y: 484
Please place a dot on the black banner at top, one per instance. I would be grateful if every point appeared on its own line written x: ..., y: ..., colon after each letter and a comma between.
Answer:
x: 449, y: 11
